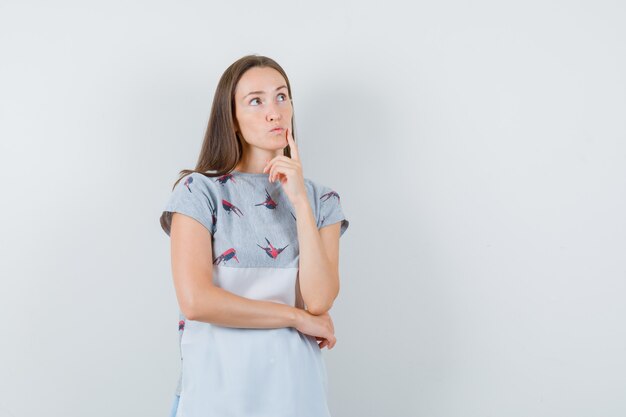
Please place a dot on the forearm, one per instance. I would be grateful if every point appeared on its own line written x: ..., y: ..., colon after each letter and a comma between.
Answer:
x: 318, y: 283
x: 221, y: 307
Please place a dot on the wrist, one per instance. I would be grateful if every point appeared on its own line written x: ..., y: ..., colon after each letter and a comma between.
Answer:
x: 300, y: 202
x: 296, y: 317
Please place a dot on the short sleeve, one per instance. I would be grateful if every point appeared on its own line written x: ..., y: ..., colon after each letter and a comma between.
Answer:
x: 195, y: 196
x: 330, y: 210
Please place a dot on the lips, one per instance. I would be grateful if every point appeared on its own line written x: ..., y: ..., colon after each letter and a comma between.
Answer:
x: 276, y: 129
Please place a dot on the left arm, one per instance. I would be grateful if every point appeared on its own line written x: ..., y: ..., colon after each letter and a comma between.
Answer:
x: 319, y: 260
x: 318, y: 273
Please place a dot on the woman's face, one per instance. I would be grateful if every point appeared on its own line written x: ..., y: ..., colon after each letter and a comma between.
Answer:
x: 262, y: 103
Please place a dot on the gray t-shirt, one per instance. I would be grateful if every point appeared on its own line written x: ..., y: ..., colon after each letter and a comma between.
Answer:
x: 255, y: 255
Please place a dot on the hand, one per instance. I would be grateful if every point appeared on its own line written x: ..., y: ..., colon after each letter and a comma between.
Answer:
x: 321, y: 327
x: 288, y: 171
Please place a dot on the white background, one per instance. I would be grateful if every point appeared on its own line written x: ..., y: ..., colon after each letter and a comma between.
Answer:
x: 478, y: 147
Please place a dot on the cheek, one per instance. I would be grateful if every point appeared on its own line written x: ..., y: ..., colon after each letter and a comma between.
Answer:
x: 246, y: 120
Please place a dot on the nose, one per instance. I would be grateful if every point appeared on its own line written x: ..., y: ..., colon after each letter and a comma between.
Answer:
x: 273, y: 114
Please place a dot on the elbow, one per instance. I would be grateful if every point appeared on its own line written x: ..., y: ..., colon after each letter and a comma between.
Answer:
x: 317, y: 309
x: 188, y: 311
x: 321, y: 305
x: 194, y: 307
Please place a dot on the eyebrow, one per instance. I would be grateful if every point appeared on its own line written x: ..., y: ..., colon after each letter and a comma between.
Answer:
x: 263, y: 92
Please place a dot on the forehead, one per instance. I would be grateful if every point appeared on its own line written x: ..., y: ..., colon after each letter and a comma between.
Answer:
x: 259, y: 79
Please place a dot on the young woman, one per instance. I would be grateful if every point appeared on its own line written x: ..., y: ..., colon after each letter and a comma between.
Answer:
x: 255, y: 255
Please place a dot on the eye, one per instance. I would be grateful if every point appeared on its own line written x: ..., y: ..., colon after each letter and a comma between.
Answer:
x: 256, y: 98
x: 284, y: 95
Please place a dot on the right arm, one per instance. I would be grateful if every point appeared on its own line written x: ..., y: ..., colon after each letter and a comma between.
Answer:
x: 200, y: 300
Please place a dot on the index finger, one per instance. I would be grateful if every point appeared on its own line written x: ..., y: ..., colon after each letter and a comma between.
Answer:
x: 292, y: 146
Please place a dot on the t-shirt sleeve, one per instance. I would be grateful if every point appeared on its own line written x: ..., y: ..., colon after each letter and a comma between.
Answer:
x: 330, y: 209
x: 195, y: 196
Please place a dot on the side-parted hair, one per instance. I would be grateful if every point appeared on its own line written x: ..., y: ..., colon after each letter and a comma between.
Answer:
x: 222, y: 146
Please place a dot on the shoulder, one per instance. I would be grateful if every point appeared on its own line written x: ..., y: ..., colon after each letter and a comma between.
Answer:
x: 199, y: 183
x: 316, y: 188
x: 199, y: 179
x: 319, y: 190
x: 195, y: 195
x: 327, y: 204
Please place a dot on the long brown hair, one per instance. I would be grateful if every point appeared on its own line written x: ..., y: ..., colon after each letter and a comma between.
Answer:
x: 222, y: 147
